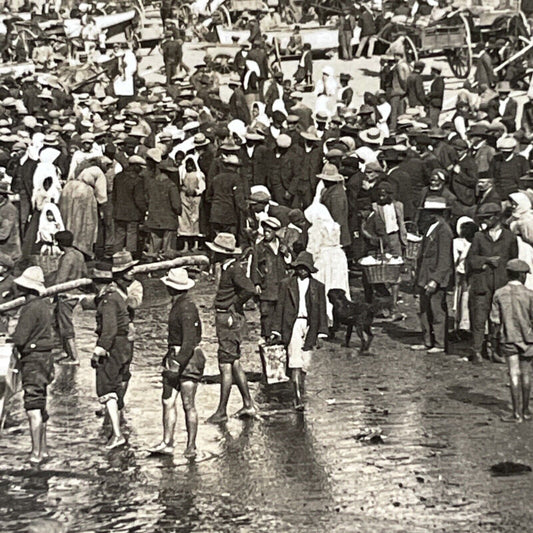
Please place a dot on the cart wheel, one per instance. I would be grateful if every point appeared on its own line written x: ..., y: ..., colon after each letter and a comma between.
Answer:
x: 409, y: 48
x: 223, y: 63
x: 460, y: 59
x: 225, y: 16
x: 185, y: 14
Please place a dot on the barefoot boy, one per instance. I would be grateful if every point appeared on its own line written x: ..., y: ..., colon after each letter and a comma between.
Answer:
x: 512, y: 319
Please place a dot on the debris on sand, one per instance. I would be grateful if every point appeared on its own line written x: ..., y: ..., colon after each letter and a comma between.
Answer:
x: 508, y: 468
x: 370, y: 435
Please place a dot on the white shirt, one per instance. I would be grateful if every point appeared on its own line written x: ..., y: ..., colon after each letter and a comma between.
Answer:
x: 501, y: 106
x: 391, y: 220
x: 432, y: 228
x: 303, y: 286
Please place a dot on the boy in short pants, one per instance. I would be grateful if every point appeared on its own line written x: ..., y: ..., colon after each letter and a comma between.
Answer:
x: 512, y: 320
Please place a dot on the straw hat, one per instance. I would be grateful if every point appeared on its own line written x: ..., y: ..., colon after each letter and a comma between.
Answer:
x: 200, y: 140
x: 154, y: 154
x: 122, y: 261
x: 102, y: 271
x: 372, y: 136
x: 330, y: 173
x: 310, y: 134
x: 136, y: 160
x: 32, y: 278
x: 224, y: 243
x: 232, y: 160
x: 178, y: 278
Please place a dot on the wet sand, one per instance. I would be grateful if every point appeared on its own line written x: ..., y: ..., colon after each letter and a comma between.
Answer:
x: 439, y: 418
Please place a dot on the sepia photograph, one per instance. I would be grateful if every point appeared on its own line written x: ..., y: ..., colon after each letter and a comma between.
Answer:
x: 266, y: 266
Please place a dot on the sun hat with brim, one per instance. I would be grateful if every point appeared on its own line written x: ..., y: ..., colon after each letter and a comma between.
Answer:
x: 6, y: 261
x: 178, y: 278
x: 101, y: 271
x: 435, y: 203
x: 321, y: 116
x: 200, y: 140
x: 122, y: 260
x: 503, y: 87
x: 253, y: 135
x: 5, y: 189
x: 136, y: 160
x: 489, y: 210
x: 32, y: 278
x: 50, y: 140
x: 506, y: 143
x: 232, y: 160
x: 297, y: 95
x: 229, y: 147
x: 193, y: 125
x: 272, y: 223
x: 365, y: 110
x: 293, y: 119
x: 310, y: 134
x: 224, y: 243
x: 87, y: 137
x: 168, y: 165
x: 154, y: 154
x: 518, y: 266
x: 334, y: 152
x: 330, y: 173
x: 372, y: 136
x: 305, y: 259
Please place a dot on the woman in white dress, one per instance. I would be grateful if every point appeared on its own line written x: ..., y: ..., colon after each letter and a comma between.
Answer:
x: 324, y: 245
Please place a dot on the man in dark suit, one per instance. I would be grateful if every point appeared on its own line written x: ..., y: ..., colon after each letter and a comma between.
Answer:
x: 434, y: 274
x: 504, y: 107
x: 416, y: 96
x: 435, y: 96
x: 300, y: 319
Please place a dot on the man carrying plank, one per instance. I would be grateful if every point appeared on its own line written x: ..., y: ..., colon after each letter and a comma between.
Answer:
x: 33, y: 340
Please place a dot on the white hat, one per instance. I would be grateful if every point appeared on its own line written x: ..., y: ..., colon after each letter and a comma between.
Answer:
x: 178, y: 278
x: 32, y: 278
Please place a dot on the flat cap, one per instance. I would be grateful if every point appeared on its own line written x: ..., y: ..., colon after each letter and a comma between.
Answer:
x: 517, y: 265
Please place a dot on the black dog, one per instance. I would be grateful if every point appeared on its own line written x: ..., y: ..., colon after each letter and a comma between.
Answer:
x: 358, y: 314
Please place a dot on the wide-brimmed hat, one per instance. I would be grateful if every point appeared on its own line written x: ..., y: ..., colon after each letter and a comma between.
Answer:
x: 489, y: 210
x: 102, y: 271
x: 136, y: 160
x: 224, y: 243
x: 87, y: 137
x: 178, y: 278
x: 310, y: 134
x: 372, y: 136
x: 503, y: 87
x: 435, y: 203
x: 253, y: 135
x: 305, y: 259
x: 232, y: 160
x: 200, y: 140
x: 31, y: 278
x: 230, y: 146
x: 478, y: 130
x: 330, y: 173
x: 122, y: 261
x: 154, y: 154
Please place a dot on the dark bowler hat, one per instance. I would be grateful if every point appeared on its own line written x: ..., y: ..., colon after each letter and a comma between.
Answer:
x: 304, y: 259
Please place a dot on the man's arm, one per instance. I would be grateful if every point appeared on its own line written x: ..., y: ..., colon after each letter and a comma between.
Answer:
x: 109, y: 325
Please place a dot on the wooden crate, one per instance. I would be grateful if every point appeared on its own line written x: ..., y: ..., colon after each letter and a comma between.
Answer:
x: 443, y: 38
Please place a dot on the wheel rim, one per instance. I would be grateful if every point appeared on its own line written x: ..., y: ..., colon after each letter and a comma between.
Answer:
x: 411, y: 55
x: 458, y: 61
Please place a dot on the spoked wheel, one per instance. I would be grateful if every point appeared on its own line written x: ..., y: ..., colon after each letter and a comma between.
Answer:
x: 185, y: 15
x: 223, y: 63
x: 409, y: 48
x: 460, y: 59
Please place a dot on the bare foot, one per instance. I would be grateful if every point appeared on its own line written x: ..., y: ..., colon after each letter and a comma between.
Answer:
x: 190, y: 453
x: 35, y: 460
x: 526, y: 414
x: 246, y: 412
x: 217, y: 418
x: 513, y: 418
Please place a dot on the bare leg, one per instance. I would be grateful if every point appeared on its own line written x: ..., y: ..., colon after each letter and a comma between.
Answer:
x: 220, y: 415
x: 44, y: 444
x: 35, y: 419
x: 114, y: 416
x: 297, y: 384
x: 525, y: 374
x: 514, y: 378
x: 239, y: 376
x: 170, y: 416
x: 188, y: 392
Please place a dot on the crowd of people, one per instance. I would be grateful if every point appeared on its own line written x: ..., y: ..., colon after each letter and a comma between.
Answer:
x: 289, y: 192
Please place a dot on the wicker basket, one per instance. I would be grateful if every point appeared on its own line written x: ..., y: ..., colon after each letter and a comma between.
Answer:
x: 412, y: 250
x: 382, y: 273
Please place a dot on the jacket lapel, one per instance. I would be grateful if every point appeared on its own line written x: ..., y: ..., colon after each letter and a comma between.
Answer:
x: 293, y: 292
